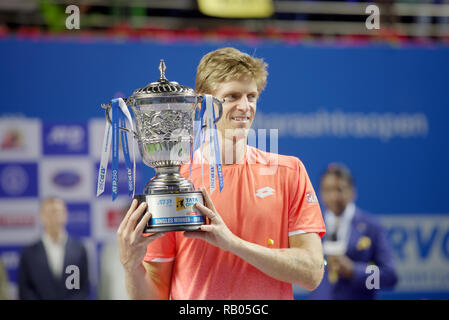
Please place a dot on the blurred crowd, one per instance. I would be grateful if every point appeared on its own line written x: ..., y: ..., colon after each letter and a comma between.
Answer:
x: 289, y: 19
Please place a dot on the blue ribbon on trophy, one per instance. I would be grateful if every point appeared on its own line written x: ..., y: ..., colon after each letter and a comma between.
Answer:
x: 207, y: 116
x: 119, y: 114
x: 115, y: 147
x: 197, y: 126
x: 126, y: 156
x: 105, y: 150
x: 217, y: 153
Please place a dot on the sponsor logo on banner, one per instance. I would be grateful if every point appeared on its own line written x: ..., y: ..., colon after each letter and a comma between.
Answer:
x: 67, y: 177
x: 18, y: 180
x: 12, y: 139
x: 19, y: 221
x: 78, y: 222
x: 420, y: 246
x: 107, y: 216
x: 339, y: 124
x: 65, y: 139
x: 113, y: 218
x: 20, y: 138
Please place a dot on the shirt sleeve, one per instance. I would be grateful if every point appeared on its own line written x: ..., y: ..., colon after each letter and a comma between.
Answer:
x: 162, y: 249
x: 304, y: 214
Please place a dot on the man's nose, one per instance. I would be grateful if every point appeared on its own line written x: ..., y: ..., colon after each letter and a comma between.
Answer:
x: 243, y: 104
x: 332, y: 197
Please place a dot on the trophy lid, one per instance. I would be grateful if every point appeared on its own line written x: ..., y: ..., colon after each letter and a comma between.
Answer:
x: 160, y: 88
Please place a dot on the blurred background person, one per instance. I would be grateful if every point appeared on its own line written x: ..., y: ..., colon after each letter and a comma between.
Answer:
x: 112, y: 275
x: 4, y: 282
x: 355, y: 240
x: 43, y: 265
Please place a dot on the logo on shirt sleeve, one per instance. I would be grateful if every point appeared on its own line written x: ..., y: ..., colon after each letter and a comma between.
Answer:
x: 311, y: 197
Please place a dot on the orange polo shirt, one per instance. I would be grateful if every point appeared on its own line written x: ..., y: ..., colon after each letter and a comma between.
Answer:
x: 265, y: 199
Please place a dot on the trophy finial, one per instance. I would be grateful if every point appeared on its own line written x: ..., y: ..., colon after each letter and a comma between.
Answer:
x: 162, y: 68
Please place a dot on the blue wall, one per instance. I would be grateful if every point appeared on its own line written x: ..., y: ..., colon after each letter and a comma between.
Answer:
x: 399, y: 172
x: 59, y: 81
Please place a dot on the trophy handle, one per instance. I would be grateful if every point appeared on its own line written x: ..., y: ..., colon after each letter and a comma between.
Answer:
x: 107, y: 108
x: 220, y: 109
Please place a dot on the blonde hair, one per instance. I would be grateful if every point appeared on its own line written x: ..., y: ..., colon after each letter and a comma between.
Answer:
x: 228, y: 64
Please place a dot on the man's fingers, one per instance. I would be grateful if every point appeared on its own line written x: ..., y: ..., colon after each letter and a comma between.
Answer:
x: 142, y: 223
x: 206, y: 211
x: 207, y: 200
x: 128, y: 214
x: 207, y: 227
x: 132, y: 221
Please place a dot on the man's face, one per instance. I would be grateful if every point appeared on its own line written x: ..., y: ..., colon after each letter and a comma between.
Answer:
x: 54, y: 215
x: 239, y: 107
x: 336, y: 193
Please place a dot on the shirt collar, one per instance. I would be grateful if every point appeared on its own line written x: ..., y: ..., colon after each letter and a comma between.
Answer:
x: 49, y: 241
x: 346, y: 216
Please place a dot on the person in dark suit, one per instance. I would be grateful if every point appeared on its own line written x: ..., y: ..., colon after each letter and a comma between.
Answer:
x: 359, y: 257
x: 55, y: 267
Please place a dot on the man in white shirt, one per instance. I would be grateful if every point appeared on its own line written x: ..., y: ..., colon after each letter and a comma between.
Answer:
x: 54, y: 239
x: 42, y: 270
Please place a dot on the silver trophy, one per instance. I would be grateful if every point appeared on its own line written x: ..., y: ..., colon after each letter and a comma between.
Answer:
x: 164, y: 116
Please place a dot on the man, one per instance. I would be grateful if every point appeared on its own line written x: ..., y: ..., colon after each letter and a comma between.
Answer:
x: 265, y: 225
x: 42, y: 270
x: 363, y: 242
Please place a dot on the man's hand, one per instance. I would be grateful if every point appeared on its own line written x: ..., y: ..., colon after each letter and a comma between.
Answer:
x: 132, y: 243
x: 301, y: 264
x: 216, y: 233
x: 341, y: 265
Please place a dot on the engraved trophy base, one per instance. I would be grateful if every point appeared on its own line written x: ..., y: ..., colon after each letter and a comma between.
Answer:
x: 173, y: 212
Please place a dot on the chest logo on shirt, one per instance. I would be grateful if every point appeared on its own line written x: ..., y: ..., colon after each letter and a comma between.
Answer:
x: 264, y: 192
